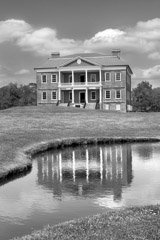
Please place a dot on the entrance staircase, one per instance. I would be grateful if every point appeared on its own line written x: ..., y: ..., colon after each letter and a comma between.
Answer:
x: 78, y: 105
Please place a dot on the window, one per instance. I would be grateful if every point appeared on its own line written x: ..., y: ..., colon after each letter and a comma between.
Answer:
x: 54, y: 95
x: 118, y: 107
x: 93, y: 77
x: 107, y: 76
x: 70, y: 96
x: 70, y: 78
x: 118, y: 76
x: 118, y: 94
x: 93, y: 95
x: 44, y: 78
x: 53, y: 78
x: 108, y: 94
x: 44, y: 95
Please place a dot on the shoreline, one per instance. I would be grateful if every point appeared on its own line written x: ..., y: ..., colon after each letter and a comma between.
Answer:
x: 131, y: 223
x: 29, y: 152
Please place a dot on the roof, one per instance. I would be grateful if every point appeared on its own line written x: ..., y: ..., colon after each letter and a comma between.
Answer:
x: 96, y: 58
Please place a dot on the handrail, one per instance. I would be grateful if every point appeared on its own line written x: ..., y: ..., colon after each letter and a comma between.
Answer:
x: 68, y: 103
x: 58, y: 102
x: 97, y: 105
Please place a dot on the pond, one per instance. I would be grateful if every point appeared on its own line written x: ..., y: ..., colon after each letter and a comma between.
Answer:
x: 77, y: 182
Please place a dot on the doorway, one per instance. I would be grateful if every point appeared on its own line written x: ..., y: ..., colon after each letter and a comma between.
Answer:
x: 82, y: 97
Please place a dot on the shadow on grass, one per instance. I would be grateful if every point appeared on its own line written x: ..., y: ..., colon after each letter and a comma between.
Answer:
x: 15, y: 175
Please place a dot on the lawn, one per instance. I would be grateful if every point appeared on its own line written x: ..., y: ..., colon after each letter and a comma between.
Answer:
x: 30, y: 129
x: 27, y: 127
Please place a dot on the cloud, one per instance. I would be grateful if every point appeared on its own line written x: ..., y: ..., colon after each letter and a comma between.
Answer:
x: 144, y: 37
x: 40, y: 41
x: 22, y: 72
x: 150, y: 73
x: 13, y: 29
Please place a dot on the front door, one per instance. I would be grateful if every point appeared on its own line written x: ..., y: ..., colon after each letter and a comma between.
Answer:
x: 82, y: 97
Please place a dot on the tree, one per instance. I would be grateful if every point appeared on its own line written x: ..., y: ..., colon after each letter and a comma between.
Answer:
x: 142, y: 97
x: 12, y: 95
x: 156, y: 99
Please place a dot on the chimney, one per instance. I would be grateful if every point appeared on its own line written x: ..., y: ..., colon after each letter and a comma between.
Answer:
x: 55, y: 54
x: 116, y: 53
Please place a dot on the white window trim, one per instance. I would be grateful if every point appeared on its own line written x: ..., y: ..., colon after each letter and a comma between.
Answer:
x: 109, y: 76
x: 42, y: 78
x: 116, y: 77
x: 52, y: 79
x: 91, y: 95
x: 52, y: 95
x: 93, y: 74
x: 70, y: 78
x: 105, y: 94
x: 116, y: 94
x: 42, y: 95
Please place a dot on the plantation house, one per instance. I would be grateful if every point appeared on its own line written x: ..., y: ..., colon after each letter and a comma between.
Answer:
x: 87, y: 80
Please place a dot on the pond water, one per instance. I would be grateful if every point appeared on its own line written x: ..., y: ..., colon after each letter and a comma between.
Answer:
x: 76, y: 182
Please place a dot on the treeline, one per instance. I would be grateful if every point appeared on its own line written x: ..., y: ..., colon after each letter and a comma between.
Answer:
x: 12, y: 95
x: 144, y: 98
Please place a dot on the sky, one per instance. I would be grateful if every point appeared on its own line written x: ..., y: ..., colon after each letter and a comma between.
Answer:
x: 30, y: 30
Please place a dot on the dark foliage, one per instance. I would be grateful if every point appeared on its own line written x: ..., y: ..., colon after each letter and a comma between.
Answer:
x: 12, y: 95
x: 144, y: 98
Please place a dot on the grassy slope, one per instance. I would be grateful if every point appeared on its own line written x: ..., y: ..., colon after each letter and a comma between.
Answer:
x: 22, y: 127
x: 27, y: 126
x: 133, y: 223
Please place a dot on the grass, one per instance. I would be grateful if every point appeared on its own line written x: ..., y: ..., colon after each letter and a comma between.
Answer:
x: 132, y: 223
x: 25, y: 127
x: 31, y: 129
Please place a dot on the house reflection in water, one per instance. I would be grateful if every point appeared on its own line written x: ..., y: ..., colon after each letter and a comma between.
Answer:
x: 87, y: 172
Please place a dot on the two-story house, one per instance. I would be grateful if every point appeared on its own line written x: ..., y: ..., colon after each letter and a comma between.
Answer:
x: 87, y: 80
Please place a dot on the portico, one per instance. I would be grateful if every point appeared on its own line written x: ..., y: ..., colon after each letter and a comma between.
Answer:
x: 80, y: 85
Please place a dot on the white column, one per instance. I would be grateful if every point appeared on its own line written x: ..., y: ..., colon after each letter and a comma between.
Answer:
x: 100, y: 76
x: 52, y: 167
x: 72, y: 95
x: 101, y: 163
x: 72, y: 77
x: 86, y: 95
x: 47, y: 169
x: 86, y: 77
x: 59, y: 84
x: 43, y: 166
x: 60, y: 166
x: 59, y: 93
x: 87, y: 165
x: 100, y: 95
x: 100, y: 90
x: 73, y: 159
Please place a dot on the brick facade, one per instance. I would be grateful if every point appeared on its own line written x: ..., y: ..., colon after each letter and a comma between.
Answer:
x: 80, y: 80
